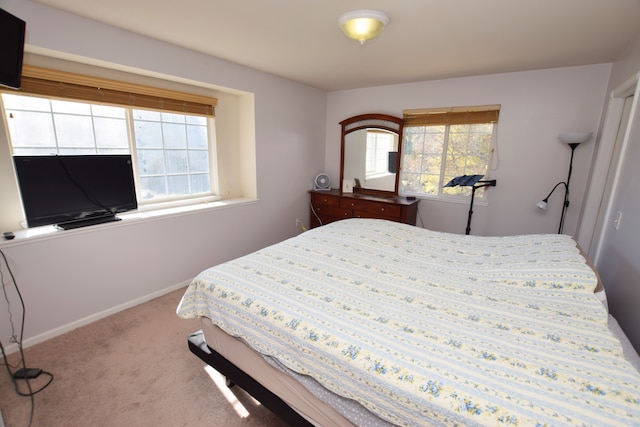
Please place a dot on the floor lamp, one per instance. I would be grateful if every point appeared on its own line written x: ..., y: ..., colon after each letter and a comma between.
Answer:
x: 573, y: 139
x: 474, y: 182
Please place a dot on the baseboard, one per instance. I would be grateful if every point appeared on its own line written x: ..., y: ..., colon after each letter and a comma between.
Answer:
x: 12, y: 348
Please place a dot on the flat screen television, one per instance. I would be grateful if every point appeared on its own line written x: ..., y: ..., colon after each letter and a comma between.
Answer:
x: 12, y: 30
x: 73, y: 191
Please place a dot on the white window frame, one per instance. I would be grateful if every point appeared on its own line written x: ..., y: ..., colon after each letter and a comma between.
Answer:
x: 145, y: 204
x: 461, y: 193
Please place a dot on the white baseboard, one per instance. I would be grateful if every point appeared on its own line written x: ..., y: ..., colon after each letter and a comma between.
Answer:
x: 12, y: 348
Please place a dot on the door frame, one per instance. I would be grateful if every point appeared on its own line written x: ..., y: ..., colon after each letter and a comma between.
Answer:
x: 597, y: 208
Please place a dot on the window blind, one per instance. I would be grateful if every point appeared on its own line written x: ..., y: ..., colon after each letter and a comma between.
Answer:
x: 451, y: 115
x: 60, y: 84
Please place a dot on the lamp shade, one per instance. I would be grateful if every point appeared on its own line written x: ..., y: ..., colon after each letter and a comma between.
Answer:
x: 575, y: 137
x: 363, y: 25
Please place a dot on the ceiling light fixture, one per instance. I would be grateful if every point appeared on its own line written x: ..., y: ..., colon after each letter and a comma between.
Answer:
x: 363, y: 25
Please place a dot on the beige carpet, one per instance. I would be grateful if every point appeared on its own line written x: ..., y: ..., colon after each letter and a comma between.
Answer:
x: 131, y: 369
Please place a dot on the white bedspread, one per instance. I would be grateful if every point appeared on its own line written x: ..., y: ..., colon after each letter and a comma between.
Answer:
x: 425, y: 327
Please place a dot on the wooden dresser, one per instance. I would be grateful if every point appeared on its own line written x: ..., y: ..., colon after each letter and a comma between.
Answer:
x: 333, y: 205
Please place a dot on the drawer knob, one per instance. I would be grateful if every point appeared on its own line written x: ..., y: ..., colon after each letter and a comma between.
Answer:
x: 381, y: 209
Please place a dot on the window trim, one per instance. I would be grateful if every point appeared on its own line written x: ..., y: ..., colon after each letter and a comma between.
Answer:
x: 61, y: 85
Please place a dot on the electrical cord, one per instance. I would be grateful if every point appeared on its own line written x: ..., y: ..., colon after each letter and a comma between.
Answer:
x: 314, y: 213
x: 17, y: 339
x: 419, y: 216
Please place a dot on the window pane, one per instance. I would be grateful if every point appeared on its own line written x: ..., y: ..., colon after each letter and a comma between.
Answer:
x: 74, y: 131
x: 178, y: 185
x: 30, y: 129
x: 199, y: 161
x: 108, y: 111
x: 152, y: 187
x: 151, y: 162
x: 58, y: 106
x: 200, y: 183
x: 174, y: 135
x: 196, y: 120
x: 111, y: 133
x: 197, y: 136
x: 148, y: 134
x: 172, y: 118
x: 465, y: 150
x: 146, y: 115
x: 18, y: 102
x: 177, y: 161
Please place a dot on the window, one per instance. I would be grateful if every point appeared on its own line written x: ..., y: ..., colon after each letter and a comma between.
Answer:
x: 439, y: 145
x: 379, y: 144
x: 173, y: 153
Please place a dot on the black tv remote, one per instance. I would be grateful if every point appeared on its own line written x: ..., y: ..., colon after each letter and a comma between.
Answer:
x: 8, y: 235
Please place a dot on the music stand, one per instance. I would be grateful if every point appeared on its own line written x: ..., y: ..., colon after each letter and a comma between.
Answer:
x: 473, y: 181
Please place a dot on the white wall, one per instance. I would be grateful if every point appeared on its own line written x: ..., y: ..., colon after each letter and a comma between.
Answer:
x: 535, y: 107
x: 79, y: 275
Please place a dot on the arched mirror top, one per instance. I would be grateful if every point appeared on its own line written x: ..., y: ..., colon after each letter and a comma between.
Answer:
x: 370, y: 154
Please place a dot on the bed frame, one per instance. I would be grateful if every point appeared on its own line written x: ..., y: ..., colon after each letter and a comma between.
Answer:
x: 235, y: 375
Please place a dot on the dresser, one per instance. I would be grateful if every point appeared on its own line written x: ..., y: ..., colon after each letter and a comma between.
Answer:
x: 333, y: 205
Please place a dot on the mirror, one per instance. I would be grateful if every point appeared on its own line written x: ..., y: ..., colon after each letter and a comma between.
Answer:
x: 370, y: 155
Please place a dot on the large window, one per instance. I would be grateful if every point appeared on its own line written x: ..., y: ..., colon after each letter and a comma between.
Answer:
x: 173, y: 152
x: 439, y: 145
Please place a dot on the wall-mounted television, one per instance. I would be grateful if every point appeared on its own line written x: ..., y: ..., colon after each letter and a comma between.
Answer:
x: 73, y: 191
x: 12, y: 30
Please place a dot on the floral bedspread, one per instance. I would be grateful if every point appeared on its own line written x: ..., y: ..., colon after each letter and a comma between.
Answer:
x: 423, y: 327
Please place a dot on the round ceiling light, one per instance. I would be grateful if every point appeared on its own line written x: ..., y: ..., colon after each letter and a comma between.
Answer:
x: 363, y: 25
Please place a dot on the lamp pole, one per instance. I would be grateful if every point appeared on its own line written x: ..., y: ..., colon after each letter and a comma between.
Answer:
x: 565, y: 205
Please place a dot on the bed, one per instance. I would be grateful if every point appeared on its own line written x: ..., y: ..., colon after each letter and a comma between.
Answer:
x: 372, y: 322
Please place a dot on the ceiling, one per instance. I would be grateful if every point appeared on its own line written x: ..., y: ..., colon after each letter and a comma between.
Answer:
x: 425, y: 39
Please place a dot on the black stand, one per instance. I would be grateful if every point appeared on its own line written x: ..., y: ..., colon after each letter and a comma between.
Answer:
x: 474, y: 182
x: 565, y: 205
x: 491, y: 183
x: 102, y: 219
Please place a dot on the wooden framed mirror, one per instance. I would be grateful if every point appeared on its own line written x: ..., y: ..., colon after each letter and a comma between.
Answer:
x: 370, y: 153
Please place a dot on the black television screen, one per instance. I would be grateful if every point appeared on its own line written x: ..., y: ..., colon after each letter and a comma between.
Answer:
x: 75, y: 190
x: 12, y: 31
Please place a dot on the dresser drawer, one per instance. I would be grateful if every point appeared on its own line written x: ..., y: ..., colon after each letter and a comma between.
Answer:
x: 384, y: 210
x: 332, y: 211
x: 318, y: 199
x: 355, y: 204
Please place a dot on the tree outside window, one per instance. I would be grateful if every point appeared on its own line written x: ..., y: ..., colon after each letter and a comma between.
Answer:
x: 440, y: 146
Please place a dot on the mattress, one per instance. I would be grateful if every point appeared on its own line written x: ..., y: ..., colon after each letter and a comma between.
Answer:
x: 309, y: 398
x: 302, y: 393
x: 423, y: 327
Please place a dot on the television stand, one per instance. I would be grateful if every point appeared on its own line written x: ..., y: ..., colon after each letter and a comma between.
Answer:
x: 87, y: 222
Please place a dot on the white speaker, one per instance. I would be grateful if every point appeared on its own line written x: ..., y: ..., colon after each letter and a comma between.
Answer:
x: 322, y: 182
